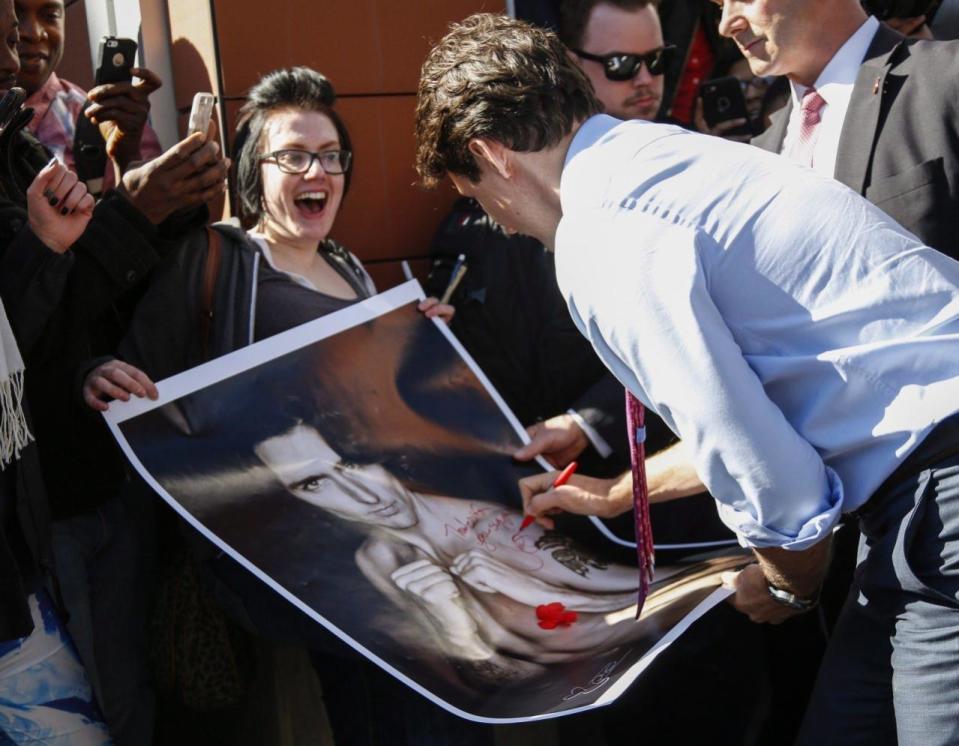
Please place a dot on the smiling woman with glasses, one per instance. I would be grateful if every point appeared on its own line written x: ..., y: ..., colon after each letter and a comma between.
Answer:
x: 228, y: 287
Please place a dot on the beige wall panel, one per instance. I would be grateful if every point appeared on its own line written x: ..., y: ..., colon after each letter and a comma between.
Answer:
x: 387, y: 215
x: 193, y: 55
x: 390, y: 274
x: 363, y: 46
x: 76, y: 65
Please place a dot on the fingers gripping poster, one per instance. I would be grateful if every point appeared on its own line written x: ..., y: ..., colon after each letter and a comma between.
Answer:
x: 360, y: 467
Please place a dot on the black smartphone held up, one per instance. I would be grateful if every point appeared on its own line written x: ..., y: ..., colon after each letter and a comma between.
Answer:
x: 117, y: 56
x: 723, y: 100
x: 10, y: 106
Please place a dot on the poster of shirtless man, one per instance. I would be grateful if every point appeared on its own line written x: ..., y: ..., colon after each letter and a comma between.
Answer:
x: 359, y: 466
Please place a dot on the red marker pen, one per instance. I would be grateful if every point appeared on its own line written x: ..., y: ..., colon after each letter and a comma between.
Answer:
x: 562, y: 479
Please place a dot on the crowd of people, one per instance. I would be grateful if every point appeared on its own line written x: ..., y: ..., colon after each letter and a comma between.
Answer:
x: 778, y: 287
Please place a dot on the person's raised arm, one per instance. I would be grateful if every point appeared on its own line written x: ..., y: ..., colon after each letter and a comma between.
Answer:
x: 186, y: 176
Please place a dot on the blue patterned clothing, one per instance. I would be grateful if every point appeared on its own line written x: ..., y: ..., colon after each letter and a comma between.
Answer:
x: 44, y: 693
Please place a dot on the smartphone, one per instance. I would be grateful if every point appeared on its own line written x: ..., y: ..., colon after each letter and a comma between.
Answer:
x: 116, y: 58
x: 200, y: 113
x: 10, y: 106
x: 723, y: 100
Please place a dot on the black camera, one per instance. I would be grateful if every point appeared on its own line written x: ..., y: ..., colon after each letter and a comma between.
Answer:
x: 885, y: 9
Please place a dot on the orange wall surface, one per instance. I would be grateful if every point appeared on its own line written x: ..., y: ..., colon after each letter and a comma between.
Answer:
x: 372, y: 51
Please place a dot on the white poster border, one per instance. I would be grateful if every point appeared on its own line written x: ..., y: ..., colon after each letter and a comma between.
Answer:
x: 261, y: 352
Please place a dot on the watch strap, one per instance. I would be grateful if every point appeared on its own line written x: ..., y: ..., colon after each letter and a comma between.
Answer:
x: 787, y: 598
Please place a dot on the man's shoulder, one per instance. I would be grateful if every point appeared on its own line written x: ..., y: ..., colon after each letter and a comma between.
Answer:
x: 930, y: 63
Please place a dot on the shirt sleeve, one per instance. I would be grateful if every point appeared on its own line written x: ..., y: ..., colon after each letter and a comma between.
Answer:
x: 669, y: 342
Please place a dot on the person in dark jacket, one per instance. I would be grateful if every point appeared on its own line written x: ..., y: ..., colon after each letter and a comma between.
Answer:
x: 39, y: 670
x: 44, y: 692
x: 293, y: 158
x: 66, y: 303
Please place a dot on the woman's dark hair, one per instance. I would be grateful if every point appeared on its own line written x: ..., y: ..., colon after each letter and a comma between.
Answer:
x: 289, y: 88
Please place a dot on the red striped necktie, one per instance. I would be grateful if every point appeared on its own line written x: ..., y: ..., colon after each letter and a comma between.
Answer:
x: 810, y: 115
x: 636, y: 426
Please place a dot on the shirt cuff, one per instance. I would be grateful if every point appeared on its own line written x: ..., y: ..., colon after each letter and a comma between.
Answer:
x: 596, y: 440
x: 753, y: 534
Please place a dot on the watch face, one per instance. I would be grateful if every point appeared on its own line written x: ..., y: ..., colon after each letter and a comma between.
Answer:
x: 790, y: 599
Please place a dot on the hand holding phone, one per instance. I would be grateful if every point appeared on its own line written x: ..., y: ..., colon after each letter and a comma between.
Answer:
x: 116, y: 60
x: 724, y: 101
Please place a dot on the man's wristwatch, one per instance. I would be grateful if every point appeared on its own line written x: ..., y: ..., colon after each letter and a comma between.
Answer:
x: 791, y: 599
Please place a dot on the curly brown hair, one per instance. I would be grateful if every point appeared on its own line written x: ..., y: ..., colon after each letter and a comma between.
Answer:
x: 499, y: 78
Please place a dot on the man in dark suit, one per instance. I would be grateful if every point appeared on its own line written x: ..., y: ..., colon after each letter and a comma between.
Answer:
x: 893, y: 132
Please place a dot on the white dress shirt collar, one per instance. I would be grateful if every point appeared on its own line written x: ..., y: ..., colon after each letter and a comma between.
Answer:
x: 835, y: 85
x: 840, y: 74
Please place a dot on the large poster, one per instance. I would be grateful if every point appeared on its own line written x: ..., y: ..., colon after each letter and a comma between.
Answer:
x: 360, y: 466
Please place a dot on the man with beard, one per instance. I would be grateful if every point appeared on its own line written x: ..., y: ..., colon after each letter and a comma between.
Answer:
x: 619, y: 45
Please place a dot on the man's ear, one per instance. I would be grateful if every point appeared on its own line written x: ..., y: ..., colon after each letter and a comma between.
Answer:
x: 494, y: 154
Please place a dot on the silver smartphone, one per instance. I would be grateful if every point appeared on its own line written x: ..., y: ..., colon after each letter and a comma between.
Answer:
x: 200, y: 113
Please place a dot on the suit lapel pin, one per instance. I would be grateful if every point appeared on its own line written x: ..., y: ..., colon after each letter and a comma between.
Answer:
x: 875, y: 86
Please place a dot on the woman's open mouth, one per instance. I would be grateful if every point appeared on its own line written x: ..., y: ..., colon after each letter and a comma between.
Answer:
x: 312, y: 204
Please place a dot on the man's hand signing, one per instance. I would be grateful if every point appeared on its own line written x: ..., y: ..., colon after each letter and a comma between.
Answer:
x: 581, y: 495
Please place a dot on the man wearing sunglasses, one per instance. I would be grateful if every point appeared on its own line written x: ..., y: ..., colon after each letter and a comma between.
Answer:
x: 619, y: 45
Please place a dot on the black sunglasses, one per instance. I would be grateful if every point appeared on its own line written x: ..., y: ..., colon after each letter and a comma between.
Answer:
x: 621, y: 66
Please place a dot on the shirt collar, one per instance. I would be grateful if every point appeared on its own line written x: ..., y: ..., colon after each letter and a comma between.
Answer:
x: 841, y: 72
x: 41, y: 99
x: 572, y: 181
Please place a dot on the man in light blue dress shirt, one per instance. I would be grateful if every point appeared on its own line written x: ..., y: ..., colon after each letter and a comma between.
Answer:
x: 801, y: 343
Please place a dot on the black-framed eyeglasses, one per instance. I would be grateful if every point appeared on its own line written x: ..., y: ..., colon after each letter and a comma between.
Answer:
x: 621, y: 66
x: 295, y: 161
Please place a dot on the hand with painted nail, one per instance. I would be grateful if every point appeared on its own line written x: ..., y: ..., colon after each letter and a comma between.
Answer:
x: 59, y: 206
x: 188, y: 175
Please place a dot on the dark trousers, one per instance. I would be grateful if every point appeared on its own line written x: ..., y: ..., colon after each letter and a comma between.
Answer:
x: 891, y: 672
x: 103, y: 561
